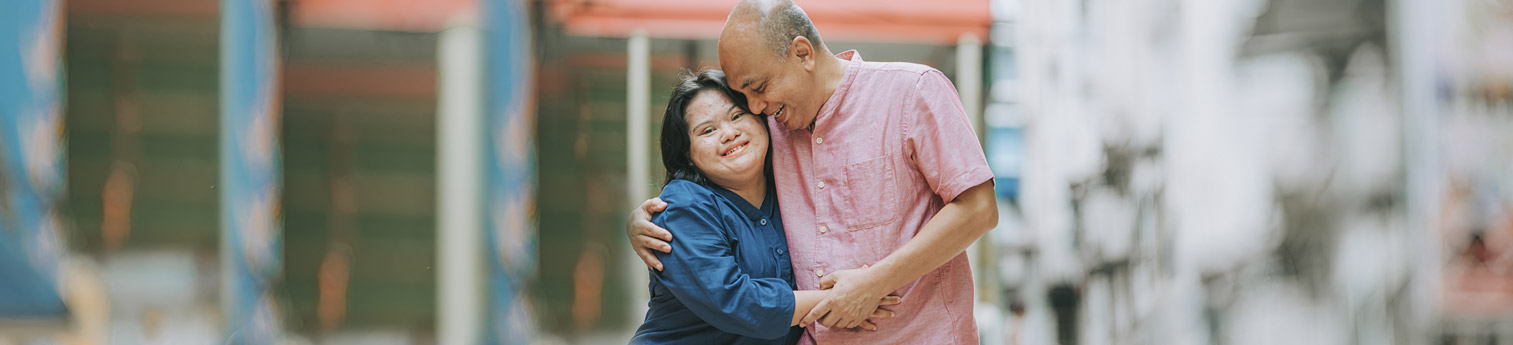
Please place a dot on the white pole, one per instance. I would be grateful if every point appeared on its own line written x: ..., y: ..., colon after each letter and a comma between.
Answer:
x: 459, y: 144
x: 969, y: 87
x: 969, y: 78
x: 638, y: 100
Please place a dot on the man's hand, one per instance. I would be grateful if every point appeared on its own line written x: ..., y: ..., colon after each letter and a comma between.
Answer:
x: 879, y: 313
x: 645, y: 236
x: 854, y: 296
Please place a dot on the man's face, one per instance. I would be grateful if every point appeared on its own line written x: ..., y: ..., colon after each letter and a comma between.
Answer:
x: 782, y: 89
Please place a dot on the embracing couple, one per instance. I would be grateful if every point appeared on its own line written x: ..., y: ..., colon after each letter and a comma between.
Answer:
x: 812, y: 198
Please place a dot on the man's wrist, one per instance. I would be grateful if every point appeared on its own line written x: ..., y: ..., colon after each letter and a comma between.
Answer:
x: 873, y: 283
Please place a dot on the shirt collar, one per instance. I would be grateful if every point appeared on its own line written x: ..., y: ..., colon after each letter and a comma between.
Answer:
x: 834, y: 102
x: 752, y: 212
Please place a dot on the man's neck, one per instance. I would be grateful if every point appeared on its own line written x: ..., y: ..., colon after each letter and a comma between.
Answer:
x: 831, y: 70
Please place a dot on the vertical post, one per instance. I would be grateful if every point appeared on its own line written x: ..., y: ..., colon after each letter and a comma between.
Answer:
x: 637, y: 102
x: 459, y: 169
x: 969, y: 88
x: 509, y: 173
x: 969, y: 78
x: 249, y: 163
x: 31, y: 160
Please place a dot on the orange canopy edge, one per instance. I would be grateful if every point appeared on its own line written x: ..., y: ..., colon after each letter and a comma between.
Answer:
x: 938, y: 21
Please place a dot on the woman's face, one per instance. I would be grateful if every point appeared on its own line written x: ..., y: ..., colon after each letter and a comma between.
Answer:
x: 727, y: 144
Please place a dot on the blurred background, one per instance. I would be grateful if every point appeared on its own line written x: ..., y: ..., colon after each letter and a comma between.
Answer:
x: 460, y: 171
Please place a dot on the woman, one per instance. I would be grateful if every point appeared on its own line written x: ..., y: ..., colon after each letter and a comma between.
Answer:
x: 728, y: 279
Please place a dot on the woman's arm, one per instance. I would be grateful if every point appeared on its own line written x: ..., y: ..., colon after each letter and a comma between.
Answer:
x: 703, y: 274
x: 804, y: 300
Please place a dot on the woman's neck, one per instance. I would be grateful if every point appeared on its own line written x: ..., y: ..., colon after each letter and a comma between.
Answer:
x: 754, y: 192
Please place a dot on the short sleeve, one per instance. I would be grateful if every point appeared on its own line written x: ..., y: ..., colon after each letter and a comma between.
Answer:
x: 939, y: 140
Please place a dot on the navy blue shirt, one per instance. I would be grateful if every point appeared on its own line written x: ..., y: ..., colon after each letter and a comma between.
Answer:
x: 728, y: 279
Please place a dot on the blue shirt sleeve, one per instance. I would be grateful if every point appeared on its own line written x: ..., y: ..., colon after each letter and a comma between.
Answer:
x: 703, y: 274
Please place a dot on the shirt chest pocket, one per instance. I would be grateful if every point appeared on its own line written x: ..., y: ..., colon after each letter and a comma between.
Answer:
x: 869, y: 194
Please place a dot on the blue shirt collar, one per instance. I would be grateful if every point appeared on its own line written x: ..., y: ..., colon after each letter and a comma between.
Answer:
x: 752, y: 212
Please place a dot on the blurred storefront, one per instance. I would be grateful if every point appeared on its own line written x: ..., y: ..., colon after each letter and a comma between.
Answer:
x: 459, y: 171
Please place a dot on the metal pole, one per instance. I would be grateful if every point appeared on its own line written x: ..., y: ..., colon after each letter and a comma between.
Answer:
x: 969, y: 88
x: 969, y: 78
x: 637, y: 148
x: 459, y: 229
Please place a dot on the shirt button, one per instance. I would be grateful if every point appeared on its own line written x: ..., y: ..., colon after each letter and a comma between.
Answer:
x: 819, y: 140
x: 819, y: 273
x: 780, y: 251
x: 823, y: 229
x: 762, y: 222
x: 822, y: 184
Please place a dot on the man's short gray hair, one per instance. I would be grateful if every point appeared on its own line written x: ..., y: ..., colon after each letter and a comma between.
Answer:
x: 784, y: 22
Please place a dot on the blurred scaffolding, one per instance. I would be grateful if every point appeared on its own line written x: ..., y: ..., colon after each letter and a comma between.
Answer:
x: 375, y: 172
x: 1258, y: 172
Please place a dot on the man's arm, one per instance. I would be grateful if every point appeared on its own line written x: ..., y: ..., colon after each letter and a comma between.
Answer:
x: 941, y: 144
x: 954, y: 228
x: 645, y: 236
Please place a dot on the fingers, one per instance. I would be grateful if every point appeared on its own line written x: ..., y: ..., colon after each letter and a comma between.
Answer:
x: 653, y: 243
x: 891, y: 300
x: 868, y: 325
x: 882, y: 313
x: 653, y: 205
x: 660, y: 233
x: 831, y: 320
x: 644, y: 227
x: 649, y: 259
x: 818, y: 311
x: 827, y: 282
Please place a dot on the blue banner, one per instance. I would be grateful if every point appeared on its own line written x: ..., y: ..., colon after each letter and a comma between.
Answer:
x: 31, y: 160
x: 510, y: 203
x: 250, y: 211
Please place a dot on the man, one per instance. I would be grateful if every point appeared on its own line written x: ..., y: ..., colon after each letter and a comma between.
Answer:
x: 880, y: 175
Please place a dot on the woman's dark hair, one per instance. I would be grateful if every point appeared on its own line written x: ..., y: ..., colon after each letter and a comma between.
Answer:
x: 675, y: 140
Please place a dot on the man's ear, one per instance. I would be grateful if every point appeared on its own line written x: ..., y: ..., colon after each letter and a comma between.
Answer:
x: 802, y: 50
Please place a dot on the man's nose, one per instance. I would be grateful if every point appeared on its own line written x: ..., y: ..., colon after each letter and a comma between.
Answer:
x: 757, y: 105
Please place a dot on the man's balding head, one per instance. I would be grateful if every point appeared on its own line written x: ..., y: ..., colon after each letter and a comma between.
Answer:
x: 770, y: 23
x: 771, y: 53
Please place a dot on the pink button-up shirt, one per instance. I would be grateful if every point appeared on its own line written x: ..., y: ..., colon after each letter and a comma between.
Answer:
x: 890, y: 147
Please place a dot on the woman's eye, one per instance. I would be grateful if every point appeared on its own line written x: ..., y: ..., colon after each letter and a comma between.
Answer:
x: 706, y: 131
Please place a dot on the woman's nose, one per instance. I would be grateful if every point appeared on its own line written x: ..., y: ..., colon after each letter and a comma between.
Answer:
x: 729, y: 133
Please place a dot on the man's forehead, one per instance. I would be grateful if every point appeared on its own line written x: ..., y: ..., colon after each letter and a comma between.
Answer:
x: 736, y: 71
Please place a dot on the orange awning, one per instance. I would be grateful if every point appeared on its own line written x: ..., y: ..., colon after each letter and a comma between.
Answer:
x: 397, y: 15
x: 938, y: 21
